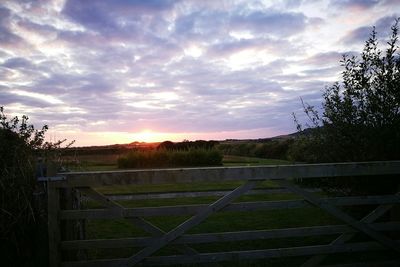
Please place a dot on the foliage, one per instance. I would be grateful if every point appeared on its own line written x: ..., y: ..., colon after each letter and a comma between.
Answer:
x: 361, y: 115
x: 18, y: 216
x: 187, y: 145
x: 170, y: 158
x: 21, y: 219
x: 272, y: 149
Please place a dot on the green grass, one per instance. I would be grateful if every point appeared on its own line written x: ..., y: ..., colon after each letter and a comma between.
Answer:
x: 159, y: 188
x: 230, y: 160
x: 109, y: 162
x: 219, y: 222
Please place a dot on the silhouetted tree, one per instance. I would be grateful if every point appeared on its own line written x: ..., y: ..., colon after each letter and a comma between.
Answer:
x: 361, y: 114
x: 167, y: 145
x: 187, y: 145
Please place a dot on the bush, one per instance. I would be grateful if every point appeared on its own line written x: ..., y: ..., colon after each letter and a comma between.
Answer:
x: 271, y: 149
x: 21, y: 222
x: 187, y: 145
x: 23, y: 215
x: 275, y: 149
x: 166, y: 158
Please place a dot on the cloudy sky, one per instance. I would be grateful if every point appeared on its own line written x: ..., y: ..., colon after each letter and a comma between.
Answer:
x: 105, y: 72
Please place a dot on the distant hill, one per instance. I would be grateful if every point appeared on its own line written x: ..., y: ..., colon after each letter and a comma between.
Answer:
x: 110, y: 149
x: 263, y: 140
x: 121, y: 148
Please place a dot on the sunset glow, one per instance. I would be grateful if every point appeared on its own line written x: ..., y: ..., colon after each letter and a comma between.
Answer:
x: 149, y: 136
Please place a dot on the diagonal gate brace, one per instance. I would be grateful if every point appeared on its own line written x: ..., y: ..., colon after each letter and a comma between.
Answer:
x: 343, y: 238
x: 339, y: 214
x: 188, y: 224
x: 138, y: 221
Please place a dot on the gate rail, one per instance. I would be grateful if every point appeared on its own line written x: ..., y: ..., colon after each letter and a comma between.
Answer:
x: 85, y: 182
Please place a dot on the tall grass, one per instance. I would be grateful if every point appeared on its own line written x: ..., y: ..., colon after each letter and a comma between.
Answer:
x: 168, y: 158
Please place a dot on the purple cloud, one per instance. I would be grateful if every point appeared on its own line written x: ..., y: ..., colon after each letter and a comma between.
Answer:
x: 361, y: 34
x: 355, y: 4
x: 270, y: 23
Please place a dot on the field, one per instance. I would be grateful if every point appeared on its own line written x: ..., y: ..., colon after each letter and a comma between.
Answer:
x: 108, y: 162
x: 219, y: 222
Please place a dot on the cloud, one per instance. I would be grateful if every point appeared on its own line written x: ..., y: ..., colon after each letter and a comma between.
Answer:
x: 17, y: 63
x: 355, y: 5
x: 171, y: 66
x: 112, y: 18
x: 270, y: 23
x: 7, y: 38
x: 361, y: 34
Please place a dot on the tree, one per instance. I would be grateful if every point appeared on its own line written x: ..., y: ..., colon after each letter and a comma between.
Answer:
x: 361, y: 114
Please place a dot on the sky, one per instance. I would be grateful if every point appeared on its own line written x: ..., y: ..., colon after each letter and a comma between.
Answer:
x: 105, y: 72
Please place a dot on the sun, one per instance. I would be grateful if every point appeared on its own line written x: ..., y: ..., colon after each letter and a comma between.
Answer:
x: 147, y: 136
x: 151, y: 136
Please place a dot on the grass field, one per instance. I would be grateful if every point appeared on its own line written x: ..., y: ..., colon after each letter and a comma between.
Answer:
x: 230, y: 160
x: 109, y: 162
x: 219, y: 222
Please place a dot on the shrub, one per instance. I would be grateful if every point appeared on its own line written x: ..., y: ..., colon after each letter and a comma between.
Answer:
x: 23, y: 217
x: 21, y: 223
x: 187, y: 145
x: 272, y: 149
x: 166, y: 158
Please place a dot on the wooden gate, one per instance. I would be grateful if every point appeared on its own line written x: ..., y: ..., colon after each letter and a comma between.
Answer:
x: 86, y: 182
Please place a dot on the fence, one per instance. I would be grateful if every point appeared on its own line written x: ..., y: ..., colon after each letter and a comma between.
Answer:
x: 61, y: 213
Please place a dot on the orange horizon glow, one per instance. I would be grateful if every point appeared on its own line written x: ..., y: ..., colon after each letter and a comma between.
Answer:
x: 152, y: 136
x: 149, y: 136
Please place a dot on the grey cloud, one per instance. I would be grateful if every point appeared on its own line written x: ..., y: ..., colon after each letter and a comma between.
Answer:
x: 233, y: 46
x: 17, y: 63
x: 6, y: 36
x: 271, y: 22
x: 328, y: 58
x: 8, y: 98
x: 216, y: 25
x: 361, y: 34
x: 202, y: 23
x: 41, y: 29
x: 321, y: 73
x: 4, y: 15
x: 92, y: 15
x: 360, y: 4
x: 113, y: 17
x: 394, y: 3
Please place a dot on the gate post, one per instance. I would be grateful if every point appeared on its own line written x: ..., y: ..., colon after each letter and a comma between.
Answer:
x: 53, y: 207
x: 53, y: 221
